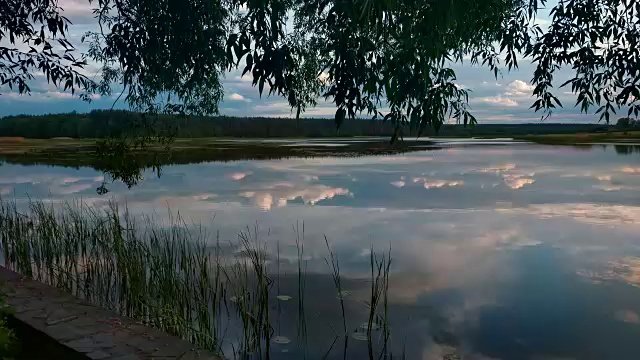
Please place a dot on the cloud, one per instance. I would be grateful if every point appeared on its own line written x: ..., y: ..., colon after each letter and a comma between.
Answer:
x: 499, y: 101
x: 237, y: 97
x: 519, y: 88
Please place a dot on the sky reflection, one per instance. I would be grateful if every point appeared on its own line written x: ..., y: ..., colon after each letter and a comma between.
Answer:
x: 500, y: 252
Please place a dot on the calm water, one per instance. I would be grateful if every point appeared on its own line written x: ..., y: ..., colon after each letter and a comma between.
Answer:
x: 500, y: 251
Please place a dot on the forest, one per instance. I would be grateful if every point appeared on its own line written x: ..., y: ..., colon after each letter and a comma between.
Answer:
x: 115, y: 123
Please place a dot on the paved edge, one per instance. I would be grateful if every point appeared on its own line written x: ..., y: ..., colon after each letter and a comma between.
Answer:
x: 89, y: 330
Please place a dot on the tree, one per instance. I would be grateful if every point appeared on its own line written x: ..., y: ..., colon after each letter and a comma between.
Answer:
x: 624, y: 123
x: 38, y: 27
x: 389, y: 59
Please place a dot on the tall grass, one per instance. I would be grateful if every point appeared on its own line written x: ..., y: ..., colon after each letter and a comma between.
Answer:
x: 169, y: 275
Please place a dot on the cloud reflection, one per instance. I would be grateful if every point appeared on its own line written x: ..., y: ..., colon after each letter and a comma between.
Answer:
x: 595, y: 214
x: 281, y: 193
x: 238, y: 175
x: 435, y: 184
x: 517, y: 181
x: 625, y: 269
x: 630, y: 170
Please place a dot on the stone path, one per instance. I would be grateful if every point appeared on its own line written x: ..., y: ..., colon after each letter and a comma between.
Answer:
x: 93, y: 331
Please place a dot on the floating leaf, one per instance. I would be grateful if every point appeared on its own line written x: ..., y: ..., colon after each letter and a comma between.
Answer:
x: 281, y: 340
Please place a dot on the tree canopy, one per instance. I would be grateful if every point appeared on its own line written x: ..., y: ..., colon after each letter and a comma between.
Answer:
x: 389, y: 59
x: 33, y: 39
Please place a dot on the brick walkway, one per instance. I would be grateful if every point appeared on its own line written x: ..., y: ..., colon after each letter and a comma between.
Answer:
x: 95, y: 332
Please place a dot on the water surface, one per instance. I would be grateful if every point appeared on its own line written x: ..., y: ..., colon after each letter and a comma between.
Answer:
x: 500, y: 250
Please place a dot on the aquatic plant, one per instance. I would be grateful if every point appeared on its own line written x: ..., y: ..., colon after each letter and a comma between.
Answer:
x: 171, y: 275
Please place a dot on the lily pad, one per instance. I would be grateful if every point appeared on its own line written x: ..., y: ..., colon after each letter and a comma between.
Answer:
x: 374, y: 326
x: 360, y: 336
x: 281, y: 340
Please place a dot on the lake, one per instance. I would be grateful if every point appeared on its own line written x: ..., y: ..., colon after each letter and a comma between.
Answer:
x: 500, y: 249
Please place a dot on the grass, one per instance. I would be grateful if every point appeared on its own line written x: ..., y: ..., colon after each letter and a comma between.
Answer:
x: 173, y: 276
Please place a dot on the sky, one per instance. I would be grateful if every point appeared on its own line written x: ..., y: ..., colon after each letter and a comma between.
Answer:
x: 503, y: 100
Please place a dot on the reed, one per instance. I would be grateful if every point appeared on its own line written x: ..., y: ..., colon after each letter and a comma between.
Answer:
x: 170, y: 275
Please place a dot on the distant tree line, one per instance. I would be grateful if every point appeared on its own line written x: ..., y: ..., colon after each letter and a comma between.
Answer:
x: 628, y: 123
x: 107, y: 123
x: 114, y: 123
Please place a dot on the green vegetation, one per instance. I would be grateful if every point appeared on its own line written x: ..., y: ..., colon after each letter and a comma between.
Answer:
x: 8, y: 340
x: 180, y: 279
x: 364, y: 56
x: 116, y: 123
x: 627, y: 123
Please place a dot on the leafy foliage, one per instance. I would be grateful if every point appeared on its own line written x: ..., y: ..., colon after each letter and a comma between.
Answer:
x: 8, y: 339
x: 599, y: 41
x: 162, y: 49
x: 36, y: 33
x: 389, y: 59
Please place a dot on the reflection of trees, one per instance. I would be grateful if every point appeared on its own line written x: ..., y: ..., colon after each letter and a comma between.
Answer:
x: 126, y: 161
x: 624, y: 149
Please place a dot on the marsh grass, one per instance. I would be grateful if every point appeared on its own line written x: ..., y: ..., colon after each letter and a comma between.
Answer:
x: 175, y: 276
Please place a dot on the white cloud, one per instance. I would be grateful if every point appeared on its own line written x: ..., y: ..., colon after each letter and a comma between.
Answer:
x: 519, y: 88
x: 237, y: 97
x: 499, y: 101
